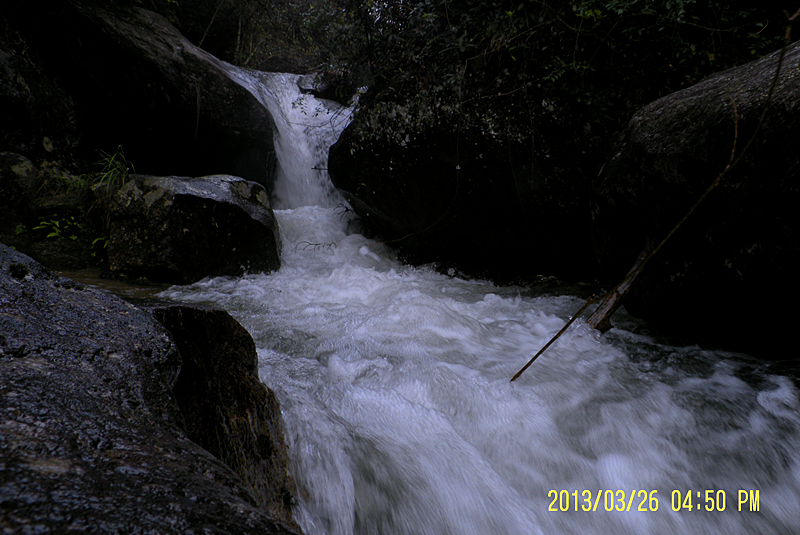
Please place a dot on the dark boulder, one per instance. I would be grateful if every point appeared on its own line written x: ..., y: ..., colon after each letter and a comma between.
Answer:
x: 19, y: 180
x: 462, y: 194
x: 90, y: 433
x: 728, y: 275
x: 39, y: 119
x: 226, y: 408
x: 136, y: 82
x: 179, y: 230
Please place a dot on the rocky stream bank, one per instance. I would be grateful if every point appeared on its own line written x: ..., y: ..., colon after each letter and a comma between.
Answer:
x: 122, y: 418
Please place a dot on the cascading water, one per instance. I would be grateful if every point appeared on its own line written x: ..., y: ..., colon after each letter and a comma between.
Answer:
x: 305, y: 128
x: 401, y: 420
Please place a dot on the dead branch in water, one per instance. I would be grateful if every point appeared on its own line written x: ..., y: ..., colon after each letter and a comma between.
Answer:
x: 601, y: 318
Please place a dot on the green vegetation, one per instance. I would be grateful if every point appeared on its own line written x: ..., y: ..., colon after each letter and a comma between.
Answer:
x: 76, y: 228
x: 563, y: 78
x: 594, y: 61
x: 114, y: 170
x: 72, y: 182
x: 67, y: 228
x: 69, y: 206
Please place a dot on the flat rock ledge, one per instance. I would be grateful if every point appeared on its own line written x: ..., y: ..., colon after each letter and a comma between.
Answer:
x: 92, y: 427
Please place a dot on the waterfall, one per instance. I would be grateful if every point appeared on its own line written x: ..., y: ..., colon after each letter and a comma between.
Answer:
x: 400, y: 418
x: 305, y: 128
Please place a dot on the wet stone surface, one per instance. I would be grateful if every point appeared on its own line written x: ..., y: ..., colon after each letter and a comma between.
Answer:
x: 91, y: 438
x: 179, y: 229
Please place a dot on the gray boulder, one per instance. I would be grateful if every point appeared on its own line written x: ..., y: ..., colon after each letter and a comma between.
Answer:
x: 179, y: 230
x: 727, y: 276
x: 464, y: 196
x: 91, y: 435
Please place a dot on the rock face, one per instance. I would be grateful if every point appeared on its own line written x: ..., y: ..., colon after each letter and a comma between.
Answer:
x: 18, y: 182
x: 90, y: 433
x: 728, y: 274
x: 226, y: 408
x: 465, y: 195
x: 179, y: 230
x: 135, y: 81
x: 35, y: 109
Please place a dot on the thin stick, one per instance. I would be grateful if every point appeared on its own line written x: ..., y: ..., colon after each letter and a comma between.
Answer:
x: 553, y: 339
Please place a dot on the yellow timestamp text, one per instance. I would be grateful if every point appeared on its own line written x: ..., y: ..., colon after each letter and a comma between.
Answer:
x: 714, y: 500
x: 647, y: 500
x: 603, y: 500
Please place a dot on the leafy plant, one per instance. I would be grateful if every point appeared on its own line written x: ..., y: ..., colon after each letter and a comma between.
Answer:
x: 61, y: 229
x: 98, y: 249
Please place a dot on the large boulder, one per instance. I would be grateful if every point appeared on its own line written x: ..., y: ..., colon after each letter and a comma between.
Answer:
x: 136, y: 82
x: 226, y: 408
x: 91, y: 436
x: 19, y: 180
x: 34, y: 109
x: 179, y: 230
x: 728, y: 275
x: 440, y: 189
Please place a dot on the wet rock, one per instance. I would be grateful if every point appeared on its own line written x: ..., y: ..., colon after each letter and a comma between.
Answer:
x: 179, y: 230
x: 62, y: 255
x: 226, y: 408
x: 90, y: 434
x: 727, y: 275
x: 138, y: 83
x: 18, y: 182
x: 39, y: 118
x: 329, y: 83
x: 308, y: 83
x: 440, y: 191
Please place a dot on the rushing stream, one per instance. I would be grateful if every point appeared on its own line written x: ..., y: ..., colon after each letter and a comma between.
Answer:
x: 401, y: 420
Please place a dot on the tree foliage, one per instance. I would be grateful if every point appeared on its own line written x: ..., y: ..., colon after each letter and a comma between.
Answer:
x: 605, y: 54
x: 567, y: 76
x: 643, y: 48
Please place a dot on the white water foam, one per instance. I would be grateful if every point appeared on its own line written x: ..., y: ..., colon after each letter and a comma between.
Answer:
x: 400, y: 418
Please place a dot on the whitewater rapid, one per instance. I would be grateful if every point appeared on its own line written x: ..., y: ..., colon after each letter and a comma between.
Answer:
x: 400, y: 417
